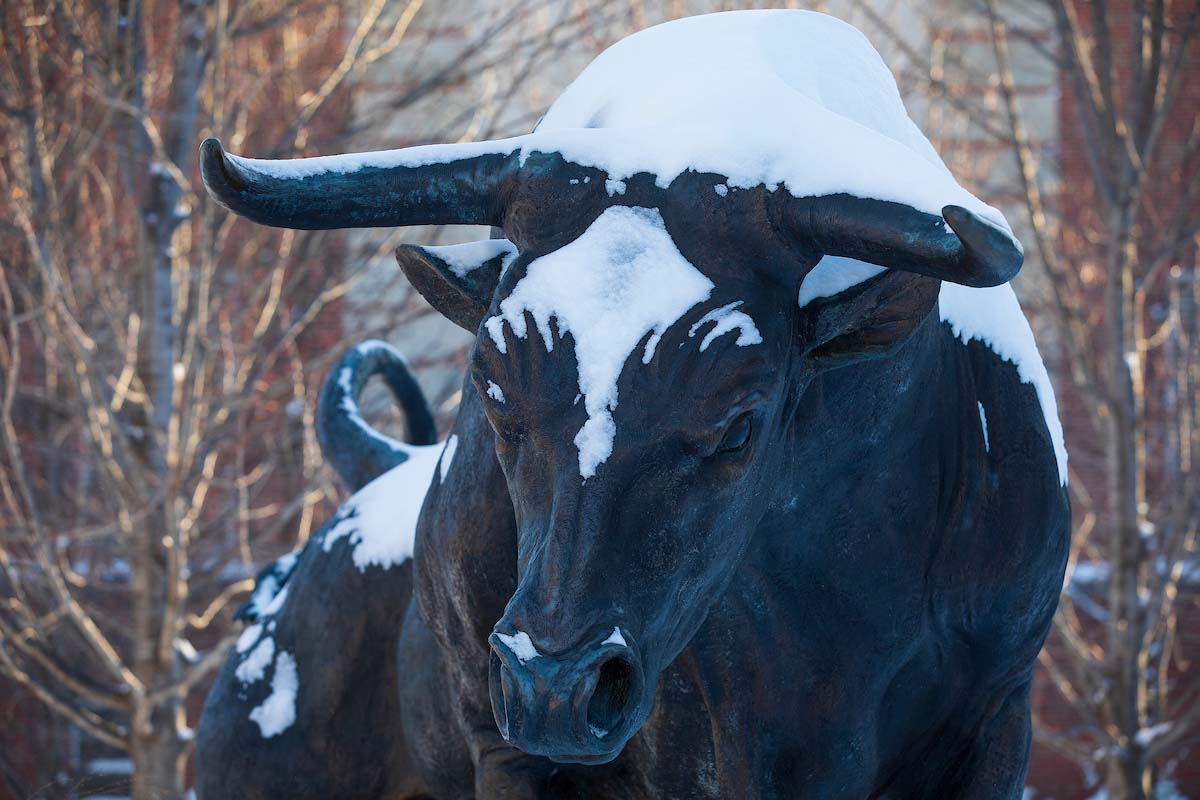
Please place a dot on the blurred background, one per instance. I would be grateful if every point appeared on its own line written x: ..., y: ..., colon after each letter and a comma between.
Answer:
x: 160, y: 359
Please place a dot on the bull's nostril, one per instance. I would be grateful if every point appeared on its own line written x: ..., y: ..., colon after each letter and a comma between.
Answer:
x: 498, y: 689
x: 609, y: 702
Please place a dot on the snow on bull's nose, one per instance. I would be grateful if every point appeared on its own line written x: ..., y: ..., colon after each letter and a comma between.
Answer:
x: 615, y: 638
x: 622, y: 279
x: 521, y: 645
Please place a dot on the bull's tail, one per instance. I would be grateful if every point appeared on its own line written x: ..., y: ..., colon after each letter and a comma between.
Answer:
x: 359, y: 453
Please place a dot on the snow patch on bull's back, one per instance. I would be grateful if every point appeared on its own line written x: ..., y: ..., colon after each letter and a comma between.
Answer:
x: 277, y: 713
x: 380, y: 519
x: 249, y: 637
x: 254, y: 666
x: 621, y: 280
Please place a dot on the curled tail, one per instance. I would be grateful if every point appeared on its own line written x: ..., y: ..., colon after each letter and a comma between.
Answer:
x: 357, y: 452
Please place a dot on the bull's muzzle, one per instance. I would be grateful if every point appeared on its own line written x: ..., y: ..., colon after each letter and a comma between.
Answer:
x: 580, y: 706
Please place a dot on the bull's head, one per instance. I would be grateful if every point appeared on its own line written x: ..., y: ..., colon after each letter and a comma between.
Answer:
x: 640, y: 356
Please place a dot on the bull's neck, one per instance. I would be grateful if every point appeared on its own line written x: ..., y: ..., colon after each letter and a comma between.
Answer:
x: 870, y: 431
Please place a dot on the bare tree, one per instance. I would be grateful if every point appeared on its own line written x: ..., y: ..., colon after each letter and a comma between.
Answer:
x: 158, y: 360
x: 1121, y: 266
x: 1110, y: 212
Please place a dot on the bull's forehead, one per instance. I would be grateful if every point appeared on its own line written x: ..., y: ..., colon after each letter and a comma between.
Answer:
x: 622, y: 282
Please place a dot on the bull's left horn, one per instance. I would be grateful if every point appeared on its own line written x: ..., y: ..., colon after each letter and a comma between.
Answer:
x: 959, y: 246
x: 462, y: 184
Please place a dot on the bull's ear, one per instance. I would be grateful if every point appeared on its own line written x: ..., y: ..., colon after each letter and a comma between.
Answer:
x: 868, y: 320
x: 457, y: 280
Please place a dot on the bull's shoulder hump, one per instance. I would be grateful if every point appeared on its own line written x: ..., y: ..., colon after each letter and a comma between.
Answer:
x: 993, y: 318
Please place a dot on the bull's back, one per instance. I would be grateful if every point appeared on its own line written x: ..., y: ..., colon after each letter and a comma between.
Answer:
x: 320, y: 718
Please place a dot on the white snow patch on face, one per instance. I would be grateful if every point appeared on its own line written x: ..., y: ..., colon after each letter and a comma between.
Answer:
x: 448, y: 455
x: 721, y: 189
x: 254, y: 666
x: 622, y: 279
x: 248, y: 637
x: 727, y: 318
x: 994, y: 317
x: 465, y: 258
x: 277, y: 713
x: 614, y: 187
x: 615, y: 638
x: 521, y: 645
x: 380, y: 519
x: 495, y: 392
x: 987, y: 447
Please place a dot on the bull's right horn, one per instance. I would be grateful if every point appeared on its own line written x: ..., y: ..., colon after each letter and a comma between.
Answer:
x: 448, y: 184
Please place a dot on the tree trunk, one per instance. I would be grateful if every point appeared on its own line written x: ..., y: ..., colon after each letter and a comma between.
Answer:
x: 158, y: 759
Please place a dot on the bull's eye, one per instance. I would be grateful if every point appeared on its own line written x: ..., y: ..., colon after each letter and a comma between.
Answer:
x: 738, y: 435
